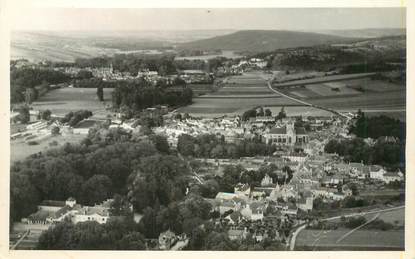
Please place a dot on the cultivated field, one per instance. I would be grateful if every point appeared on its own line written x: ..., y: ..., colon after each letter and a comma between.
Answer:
x: 63, y: 100
x: 324, y: 79
x: 359, y: 240
x: 395, y: 217
x: 231, y: 106
x: 238, y: 94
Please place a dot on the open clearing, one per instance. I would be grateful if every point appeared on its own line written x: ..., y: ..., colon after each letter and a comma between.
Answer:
x: 63, y: 100
x: 20, y: 150
x: 358, y: 240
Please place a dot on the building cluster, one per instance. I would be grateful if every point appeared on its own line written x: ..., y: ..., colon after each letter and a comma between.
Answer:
x: 193, y: 76
x: 172, y: 129
x: 324, y: 176
x: 51, y: 212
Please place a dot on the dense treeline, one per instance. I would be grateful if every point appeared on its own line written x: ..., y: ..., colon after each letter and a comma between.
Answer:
x: 210, y: 146
x: 377, y: 126
x: 383, y: 151
x: 25, y: 78
x: 116, y: 234
x: 357, y: 150
x: 90, y: 172
x: 136, y: 97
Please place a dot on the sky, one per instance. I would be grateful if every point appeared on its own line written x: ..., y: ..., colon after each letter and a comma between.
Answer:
x: 304, y: 19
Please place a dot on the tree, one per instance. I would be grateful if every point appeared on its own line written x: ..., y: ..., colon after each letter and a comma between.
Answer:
x: 132, y: 241
x: 84, y: 74
x: 96, y: 189
x: 249, y: 114
x: 24, y: 196
x: 45, y: 115
x: 31, y: 95
x: 260, y: 111
x: 231, y: 176
x: 120, y: 206
x: 55, y: 130
x: 24, y: 114
x: 281, y: 114
x: 268, y: 112
x: 160, y: 142
x: 159, y: 179
x: 185, y: 145
x: 100, y: 93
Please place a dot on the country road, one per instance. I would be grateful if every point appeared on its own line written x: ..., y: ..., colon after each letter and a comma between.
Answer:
x: 302, y: 227
x: 286, y: 96
x: 303, y: 102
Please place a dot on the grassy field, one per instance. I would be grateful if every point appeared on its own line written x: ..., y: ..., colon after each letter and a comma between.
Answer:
x: 63, y: 100
x: 358, y: 240
x: 20, y: 150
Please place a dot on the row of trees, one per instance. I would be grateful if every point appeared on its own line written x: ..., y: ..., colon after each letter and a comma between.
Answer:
x: 73, y: 118
x: 210, y: 146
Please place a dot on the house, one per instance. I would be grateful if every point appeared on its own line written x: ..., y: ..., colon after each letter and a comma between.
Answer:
x: 166, y: 240
x: 376, y: 172
x: 359, y: 170
x: 242, y: 190
x: 34, y: 115
x: 49, y: 213
x: 234, y: 218
x: 305, y: 203
x: 83, y: 127
x: 226, y: 205
x: 289, y: 209
x: 392, y: 176
x: 254, y: 211
x: 225, y: 196
x: 284, y: 192
x: 236, y: 234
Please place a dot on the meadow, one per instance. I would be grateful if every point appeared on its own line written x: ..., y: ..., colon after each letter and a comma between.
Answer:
x: 309, y: 239
x: 63, y: 100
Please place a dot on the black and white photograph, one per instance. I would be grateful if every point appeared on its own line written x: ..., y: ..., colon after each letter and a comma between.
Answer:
x: 208, y: 129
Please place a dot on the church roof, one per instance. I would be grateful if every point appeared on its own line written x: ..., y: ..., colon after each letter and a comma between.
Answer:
x: 281, y: 130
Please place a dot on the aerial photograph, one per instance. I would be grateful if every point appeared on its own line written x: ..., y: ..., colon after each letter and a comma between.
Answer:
x: 265, y: 129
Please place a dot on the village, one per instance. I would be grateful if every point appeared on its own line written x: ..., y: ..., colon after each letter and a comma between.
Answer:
x: 299, y: 172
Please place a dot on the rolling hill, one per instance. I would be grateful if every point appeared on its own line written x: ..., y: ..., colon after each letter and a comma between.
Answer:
x: 367, y: 33
x: 262, y: 40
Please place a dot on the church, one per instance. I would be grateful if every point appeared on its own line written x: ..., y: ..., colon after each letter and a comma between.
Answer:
x: 286, y: 135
